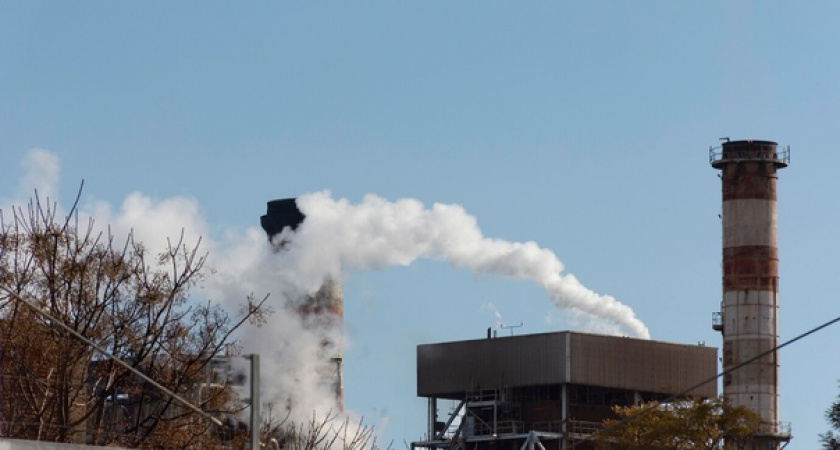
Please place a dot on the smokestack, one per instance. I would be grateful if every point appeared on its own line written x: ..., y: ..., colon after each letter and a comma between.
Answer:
x: 748, y: 317
x: 325, y: 307
x: 281, y: 214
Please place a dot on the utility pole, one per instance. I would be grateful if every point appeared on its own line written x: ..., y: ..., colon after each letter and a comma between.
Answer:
x: 255, y: 401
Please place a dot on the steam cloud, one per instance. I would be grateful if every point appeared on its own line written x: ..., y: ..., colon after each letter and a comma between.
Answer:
x: 336, y: 238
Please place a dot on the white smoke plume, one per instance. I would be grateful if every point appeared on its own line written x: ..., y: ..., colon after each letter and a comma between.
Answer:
x: 335, y: 239
x: 489, y: 307
x: 153, y: 222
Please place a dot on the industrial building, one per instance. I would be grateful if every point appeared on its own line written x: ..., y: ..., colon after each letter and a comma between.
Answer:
x: 554, y: 389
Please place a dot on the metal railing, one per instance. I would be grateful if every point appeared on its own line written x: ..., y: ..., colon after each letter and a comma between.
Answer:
x: 784, y: 429
x: 502, y: 427
x: 775, y: 429
x: 582, y: 427
x: 717, y: 321
x: 573, y: 427
x: 579, y: 427
x: 482, y: 395
x: 765, y: 153
x: 549, y: 426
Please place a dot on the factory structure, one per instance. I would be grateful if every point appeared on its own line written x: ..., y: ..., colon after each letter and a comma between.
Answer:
x: 549, y: 390
x: 554, y: 390
x: 749, y: 312
x: 324, y: 309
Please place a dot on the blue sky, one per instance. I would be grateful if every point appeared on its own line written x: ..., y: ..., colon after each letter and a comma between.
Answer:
x: 582, y: 126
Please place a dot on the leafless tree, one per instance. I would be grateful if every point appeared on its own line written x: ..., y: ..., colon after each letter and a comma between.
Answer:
x: 136, y: 305
x: 332, y: 431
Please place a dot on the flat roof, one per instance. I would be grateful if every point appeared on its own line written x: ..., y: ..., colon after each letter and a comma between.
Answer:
x: 450, y: 369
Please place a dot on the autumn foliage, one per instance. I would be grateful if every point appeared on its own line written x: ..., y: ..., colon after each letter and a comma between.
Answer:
x: 135, y: 304
x: 692, y: 424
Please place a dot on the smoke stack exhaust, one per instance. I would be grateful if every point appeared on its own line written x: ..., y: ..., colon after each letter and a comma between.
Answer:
x: 281, y: 214
x: 322, y: 309
x: 748, y: 318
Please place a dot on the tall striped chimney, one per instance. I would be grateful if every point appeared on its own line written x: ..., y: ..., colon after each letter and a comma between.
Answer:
x: 749, y: 311
x: 322, y: 309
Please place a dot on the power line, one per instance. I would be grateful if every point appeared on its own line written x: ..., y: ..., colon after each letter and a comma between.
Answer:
x: 87, y: 341
x: 684, y: 393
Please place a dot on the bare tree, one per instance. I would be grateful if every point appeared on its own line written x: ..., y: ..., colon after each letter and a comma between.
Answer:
x: 137, y: 306
x: 332, y: 431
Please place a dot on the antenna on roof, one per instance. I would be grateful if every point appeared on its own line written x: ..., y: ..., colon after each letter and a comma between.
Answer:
x: 503, y: 326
